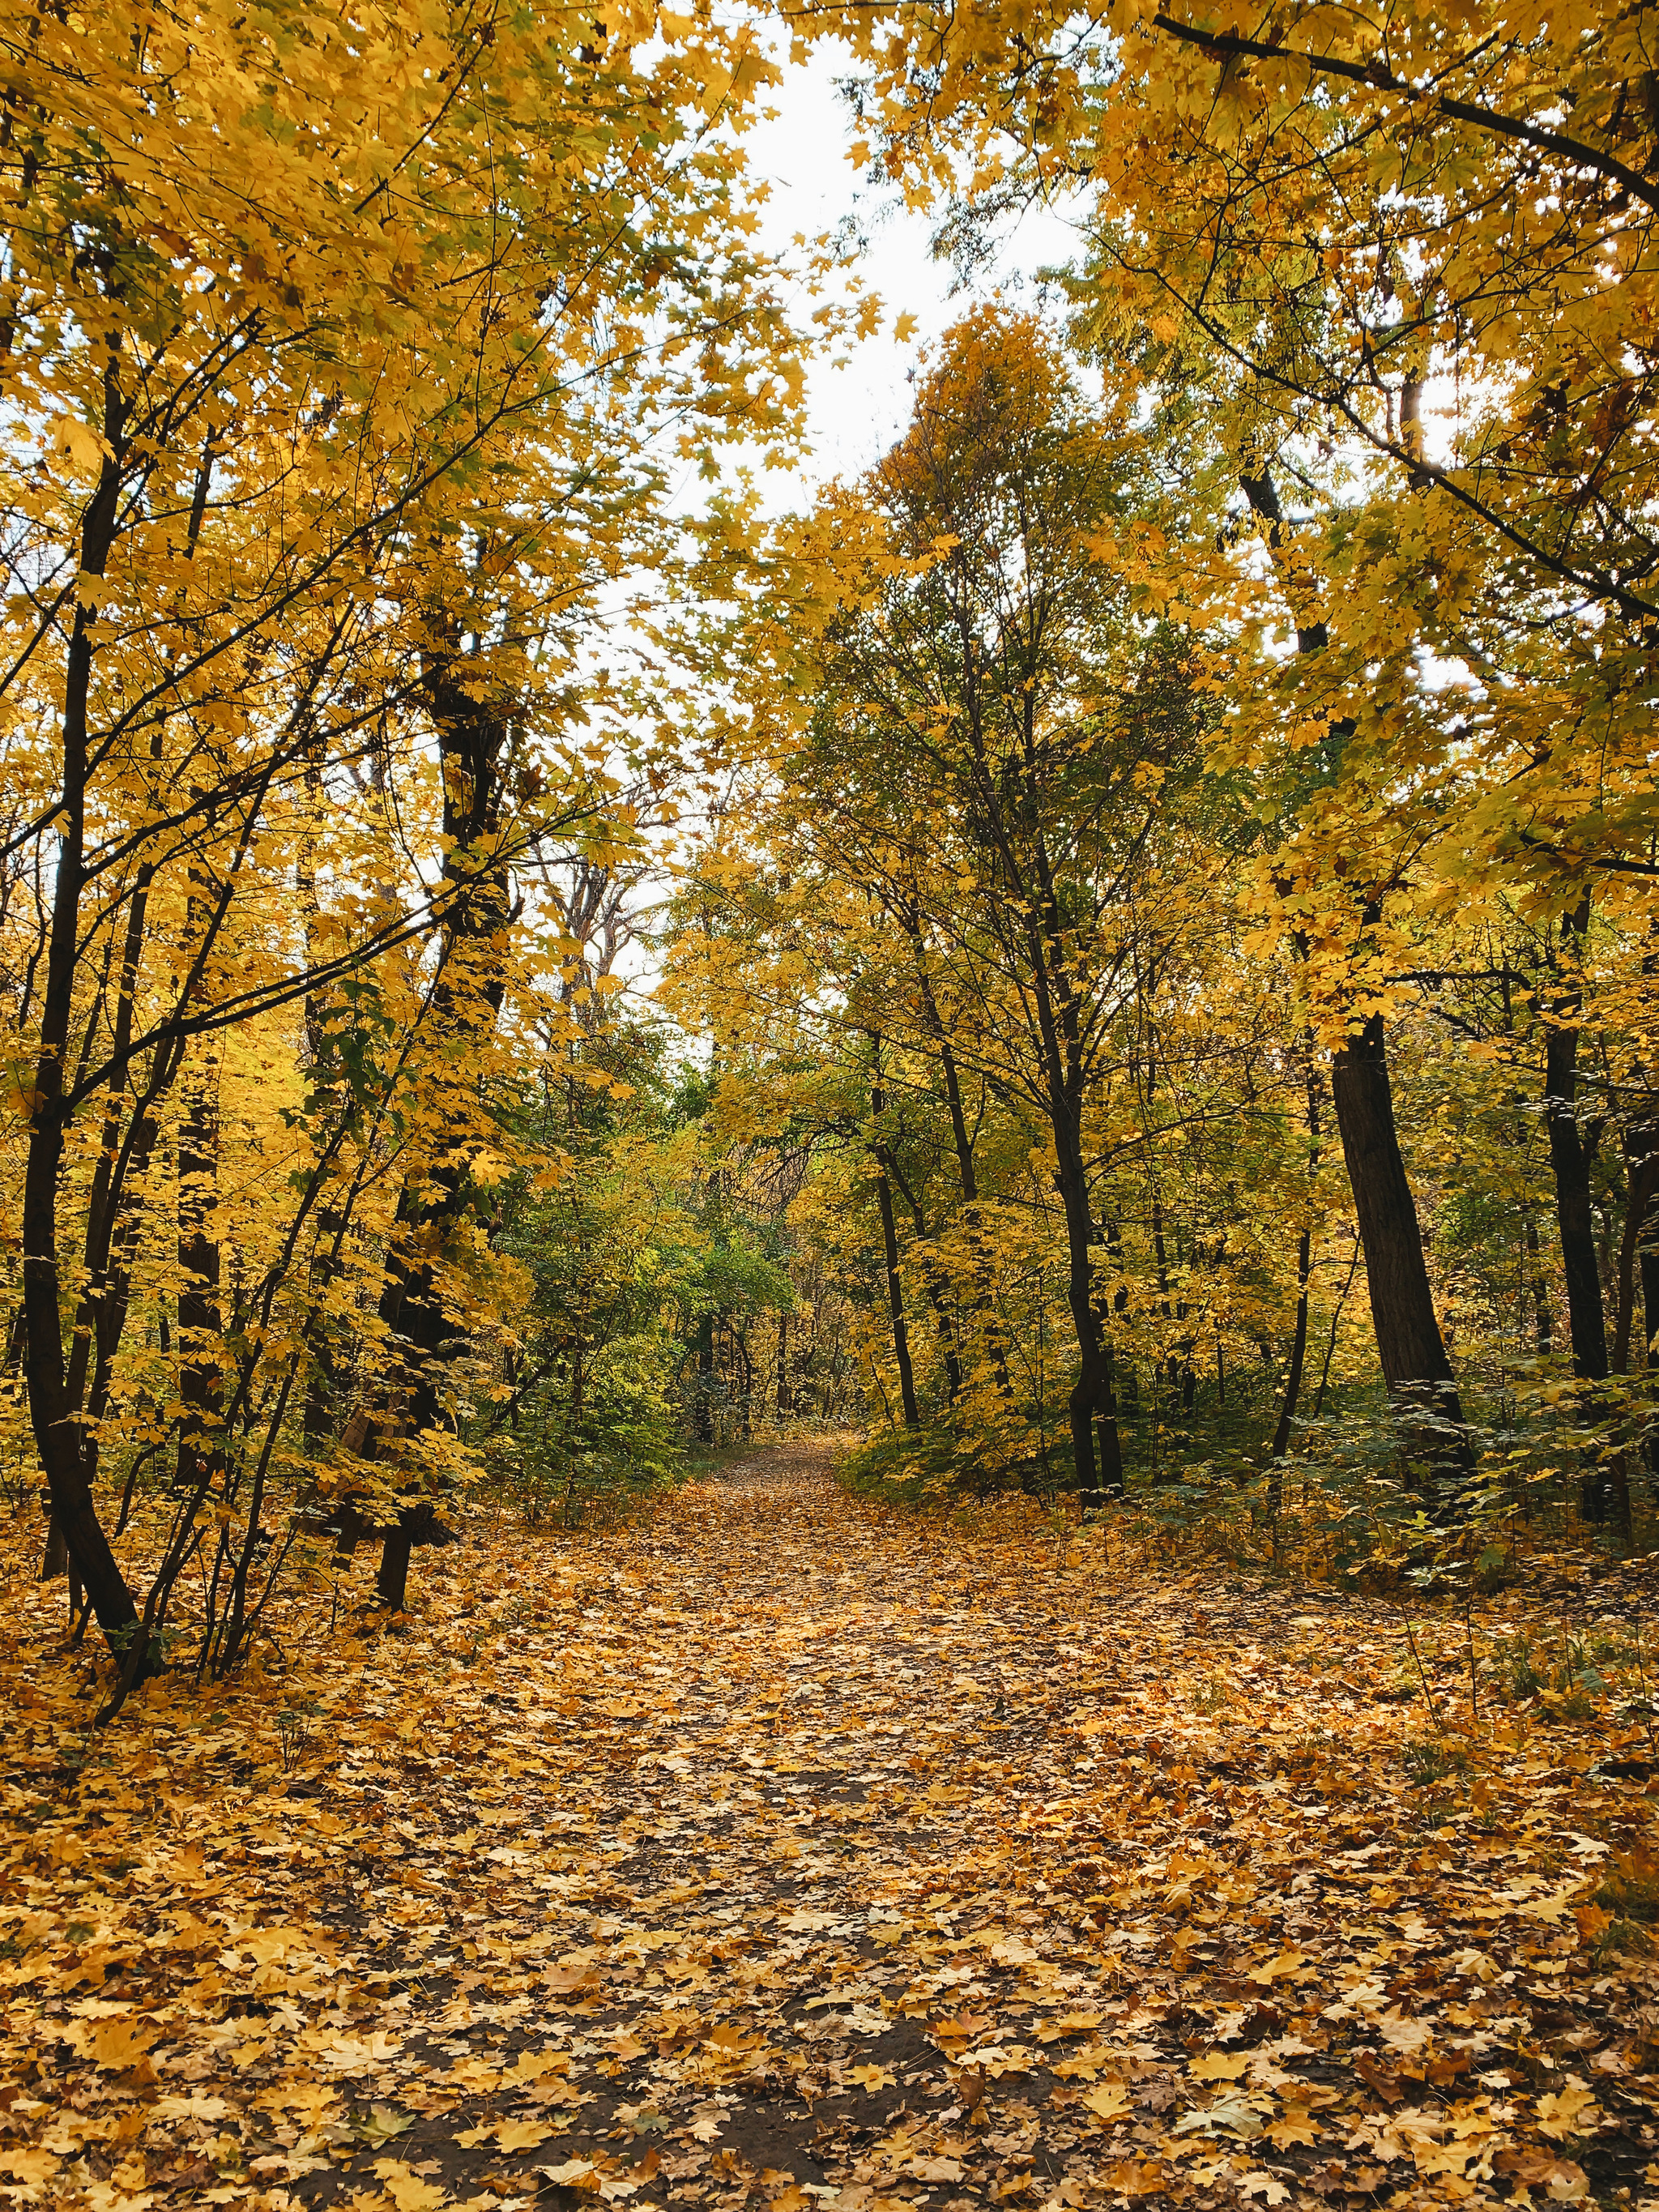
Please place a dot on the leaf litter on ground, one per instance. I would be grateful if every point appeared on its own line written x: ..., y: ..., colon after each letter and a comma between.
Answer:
x: 788, y: 1850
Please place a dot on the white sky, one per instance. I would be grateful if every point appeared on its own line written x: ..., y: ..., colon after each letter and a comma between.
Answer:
x: 857, y: 412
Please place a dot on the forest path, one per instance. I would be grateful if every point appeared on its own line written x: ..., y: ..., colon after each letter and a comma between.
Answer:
x: 786, y: 1850
x: 896, y: 1861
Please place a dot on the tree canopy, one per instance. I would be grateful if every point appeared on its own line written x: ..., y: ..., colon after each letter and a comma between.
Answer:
x: 1102, y: 961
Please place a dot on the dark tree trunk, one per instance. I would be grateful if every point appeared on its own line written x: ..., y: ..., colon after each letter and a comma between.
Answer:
x: 786, y: 1398
x: 889, y: 1247
x: 1111, y: 1444
x: 1570, y: 1157
x: 933, y: 1284
x: 466, y: 1002
x: 1641, y: 1222
x: 1092, y: 1399
x: 1409, y: 1344
x: 112, y: 1220
x: 967, y: 1177
x: 425, y: 1341
x: 896, y: 1305
x: 321, y: 1413
x: 52, y: 1416
x: 1410, y: 1347
x: 1287, y: 1404
x: 703, y: 1415
x: 1281, y: 1443
x: 201, y: 1460
x: 1543, y: 1319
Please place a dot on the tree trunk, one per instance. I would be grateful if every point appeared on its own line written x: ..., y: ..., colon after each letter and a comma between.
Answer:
x: 1641, y: 1219
x: 1570, y: 1158
x: 201, y: 1460
x: 890, y: 1247
x: 896, y: 1304
x: 1287, y: 1404
x: 321, y: 1413
x: 934, y: 1286
x: 1092, y: 1398
x: 1281, y: 1443
x: 1543, y: 1320
x: 785, y: 1400
x: 466, y: 1001
x: 1410, y: 1347
x: 967, y: 1177
x: 51, y: 1415
x: 703, y: 1416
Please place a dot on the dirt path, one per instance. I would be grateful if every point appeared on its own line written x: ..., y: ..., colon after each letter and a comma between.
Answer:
x: 788, y: 1851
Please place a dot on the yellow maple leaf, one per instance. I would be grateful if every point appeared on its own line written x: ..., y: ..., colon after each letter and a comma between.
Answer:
x: 1108, y: 2101
x: 407, y: 2189
x: 1293, y: 2127
x: 521, y: 2135
x: 118, y: 2043
x: 1219, y: 2065
x: 1563, y: 2111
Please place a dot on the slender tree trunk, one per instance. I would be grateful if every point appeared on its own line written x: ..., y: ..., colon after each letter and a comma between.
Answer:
x: 1570, y: 1158
x: 1543, y: 1320
x: 741, y: 1345
x: 321, y: 1412
x: 890, y: 1245
x: 52, y: 1416
x: 703, y: 1417
x: 934, y: 1285
x: 1409, y: 1344
x: 1106, y: 1429
x: 966, y: 1176
x: 111, y: 1231
x: 1281, y: 1443
x: 786, y: 1399
x: 1091, y: 1397
x: 1641, y: 1219
x: 201, y: 1461
x: 896, y: 1304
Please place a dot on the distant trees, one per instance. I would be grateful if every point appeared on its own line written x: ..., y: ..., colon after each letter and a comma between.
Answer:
x: 1385, y: 287
x: 1042, y: 909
